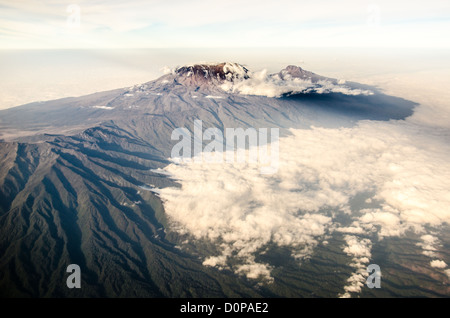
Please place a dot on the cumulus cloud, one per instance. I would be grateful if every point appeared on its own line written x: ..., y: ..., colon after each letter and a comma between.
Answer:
x: 359, y: 249
x: 243, y: 210
x: 447, y: 272
x: 255, y: 270
x: 438, y: 264
x: 262, y: 84
x: 320, y: 169
x: 429, y: 245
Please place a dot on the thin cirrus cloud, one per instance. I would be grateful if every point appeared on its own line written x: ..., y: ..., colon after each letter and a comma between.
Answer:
x: 137, y: 23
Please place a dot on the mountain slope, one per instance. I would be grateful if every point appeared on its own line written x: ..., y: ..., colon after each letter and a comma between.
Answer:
x: 75, y: 173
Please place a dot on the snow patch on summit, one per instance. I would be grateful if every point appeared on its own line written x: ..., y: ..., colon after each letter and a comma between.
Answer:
x: 103, y: 107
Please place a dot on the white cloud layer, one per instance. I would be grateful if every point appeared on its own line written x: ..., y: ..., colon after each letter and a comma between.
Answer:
x: 319, y: 169
x: 359, y: 250
x: 429, y: 245
x: 447, y: 272
x: 262, y: 84
x: 438, y: 264
x: 243, y: 211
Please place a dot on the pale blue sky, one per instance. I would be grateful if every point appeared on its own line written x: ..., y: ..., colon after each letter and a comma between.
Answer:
x: 231, y: 23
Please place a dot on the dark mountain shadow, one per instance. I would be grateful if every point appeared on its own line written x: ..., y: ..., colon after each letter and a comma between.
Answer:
x: 356, y: 107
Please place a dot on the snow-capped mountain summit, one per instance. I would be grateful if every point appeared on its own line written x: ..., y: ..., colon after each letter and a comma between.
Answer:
x: 292, y: 72
x: 221, y: 72
x: 218, y: 78
x: 208, y: 75
x: 213, y: 74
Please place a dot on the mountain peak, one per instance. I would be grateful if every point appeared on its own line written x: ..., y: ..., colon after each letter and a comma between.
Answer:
x: 222, y: 71
x: 206, y: 74
x: 292, y: 71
